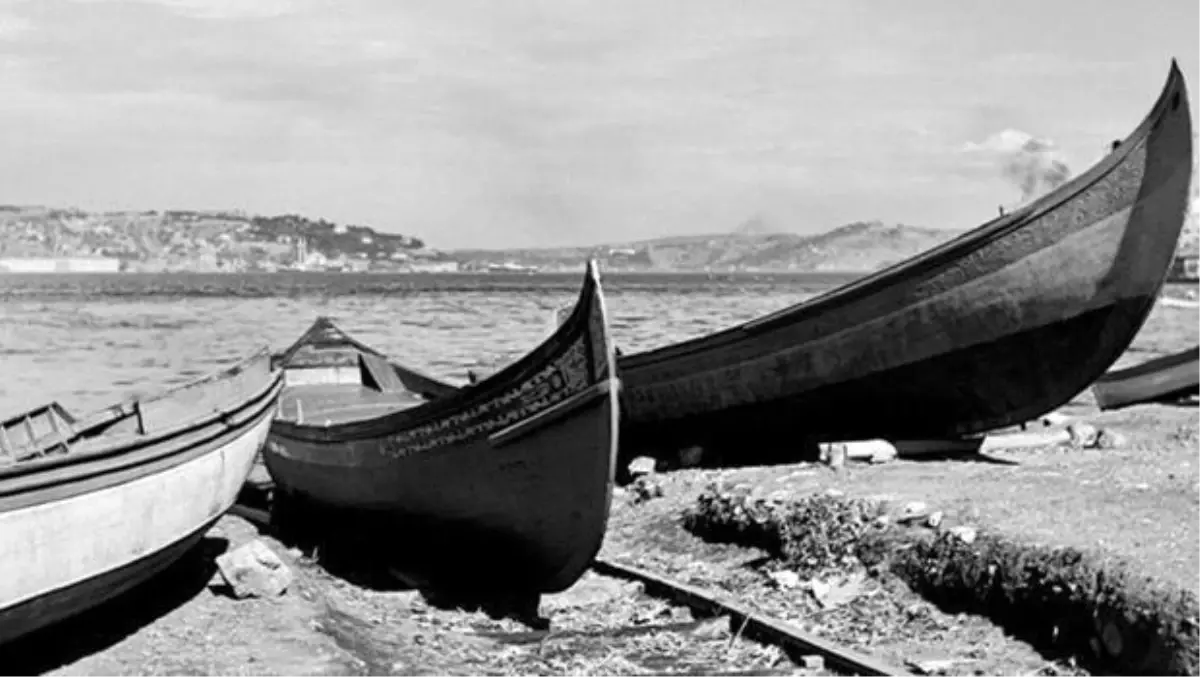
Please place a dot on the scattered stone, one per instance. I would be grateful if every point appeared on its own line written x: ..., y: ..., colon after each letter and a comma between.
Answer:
x: 883, y: 519
x: 935, y: 519
x: 254, y: 570
x: 874, y: 451
x: 713, y: 628
x: 691, y: 457
x: 780, y: 496
x: 834, y: 493
x: 645, y: 489
x: 1110, y: 439
x: 884, y: 454
x: 1055, y: 418
x: 835, y: 454
x: 1083, y: 435
x: 642, y: 465
x: 786, y: 580
x: 830, y: 595
x: 913, y: 510
x: 943, y: 666
x: 963, y: 533
x: 812, y: 662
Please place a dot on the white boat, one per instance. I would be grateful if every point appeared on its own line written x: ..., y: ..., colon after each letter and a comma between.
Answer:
x: 91, y: 508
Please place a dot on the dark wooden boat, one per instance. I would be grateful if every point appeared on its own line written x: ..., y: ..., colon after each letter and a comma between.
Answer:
x: 992, y: 328
x: 91, y: 507
x: 1167, y: 378
x: 502, y: 486
x: 412, y: 383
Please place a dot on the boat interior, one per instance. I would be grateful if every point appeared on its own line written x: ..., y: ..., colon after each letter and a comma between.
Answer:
x: 331, y: 378
x: 359, y: 385
x: 50, y: 430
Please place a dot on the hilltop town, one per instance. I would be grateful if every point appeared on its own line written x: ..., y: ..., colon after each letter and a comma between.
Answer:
x: 35, y: 238
x: 203, y: 241
x: 45, y: 239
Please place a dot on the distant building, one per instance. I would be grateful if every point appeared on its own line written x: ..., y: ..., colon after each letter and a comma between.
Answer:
x: 1185, y: 268
x: 60, y: 265
x: 435, y: 267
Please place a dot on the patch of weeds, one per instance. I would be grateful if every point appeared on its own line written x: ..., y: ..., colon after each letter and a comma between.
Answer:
x: 644, y: 489
x: 1064, y: 601
x: 810, y: 535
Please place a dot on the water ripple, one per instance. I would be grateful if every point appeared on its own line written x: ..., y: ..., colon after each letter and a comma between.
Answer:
x: 121, y: 335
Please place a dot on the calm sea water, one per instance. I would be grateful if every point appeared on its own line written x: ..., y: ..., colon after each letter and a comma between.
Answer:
x: 89, y: 340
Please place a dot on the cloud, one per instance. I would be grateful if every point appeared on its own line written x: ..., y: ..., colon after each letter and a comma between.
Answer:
x: 12, y: 25
x: 1034, y: 165
x: 530, y: 121
x: 219, y: 9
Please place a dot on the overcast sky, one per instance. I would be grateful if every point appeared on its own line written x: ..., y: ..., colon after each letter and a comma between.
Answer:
x: 515, y: 122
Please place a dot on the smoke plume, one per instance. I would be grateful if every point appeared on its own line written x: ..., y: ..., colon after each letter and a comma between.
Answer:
x: 1035, y: 166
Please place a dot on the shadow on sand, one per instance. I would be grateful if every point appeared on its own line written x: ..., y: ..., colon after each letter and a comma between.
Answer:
x: 102, y: 627
x: 362, y: 563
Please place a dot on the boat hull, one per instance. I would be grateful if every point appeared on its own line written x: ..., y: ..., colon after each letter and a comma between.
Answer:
x: 896, y: 403
x: 488, y: 528
x: 996, y: 327
x: 1170, y: 377
x: 502, y: 487
x: 79, y: 533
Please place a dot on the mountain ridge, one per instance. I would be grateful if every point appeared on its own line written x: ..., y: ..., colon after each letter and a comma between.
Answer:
x: 232, y: 241
x: 861, y: 246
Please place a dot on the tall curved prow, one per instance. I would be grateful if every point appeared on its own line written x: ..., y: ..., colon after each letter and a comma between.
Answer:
x: 518, y: 466
x: 997, y: 326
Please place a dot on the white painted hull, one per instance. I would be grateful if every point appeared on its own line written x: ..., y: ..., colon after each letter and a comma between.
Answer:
x: 60, y: 557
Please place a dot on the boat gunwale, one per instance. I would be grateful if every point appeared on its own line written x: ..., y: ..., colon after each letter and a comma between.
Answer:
x: 953, y: 249
x: 1162, y: 362
x: 259, y: 400
x: 575, y: 402
x: 466, y: 396
x: 1127, y: 387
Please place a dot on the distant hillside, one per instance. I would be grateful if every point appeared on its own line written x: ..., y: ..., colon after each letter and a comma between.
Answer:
x: 856, y: 247
x: 197, y: 240
x: 233, y: 241
x: 1189, y: 241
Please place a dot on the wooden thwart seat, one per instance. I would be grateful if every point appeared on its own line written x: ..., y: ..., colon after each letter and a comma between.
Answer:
x: 378, y: 373
x: 36, y: 432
